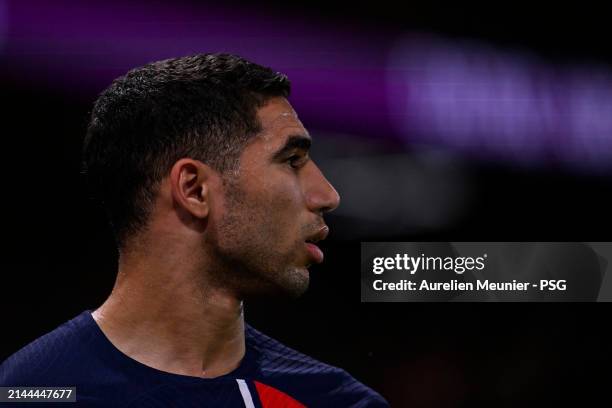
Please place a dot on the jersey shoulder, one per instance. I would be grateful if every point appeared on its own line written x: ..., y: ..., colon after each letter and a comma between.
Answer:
x: 308, y: 380
x: 47, y: 360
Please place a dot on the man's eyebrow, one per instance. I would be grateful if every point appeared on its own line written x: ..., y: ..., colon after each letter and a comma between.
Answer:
x: 301, y: 142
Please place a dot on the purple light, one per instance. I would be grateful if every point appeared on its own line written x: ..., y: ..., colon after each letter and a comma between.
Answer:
x: 338, y: 77
x: 472, y: 98
x: 3, y: 24
x: 464, y: 96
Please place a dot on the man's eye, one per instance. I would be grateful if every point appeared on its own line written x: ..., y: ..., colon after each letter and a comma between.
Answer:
x: 297, y: 161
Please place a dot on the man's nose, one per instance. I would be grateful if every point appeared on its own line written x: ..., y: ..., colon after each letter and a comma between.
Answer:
x: 322, y: 196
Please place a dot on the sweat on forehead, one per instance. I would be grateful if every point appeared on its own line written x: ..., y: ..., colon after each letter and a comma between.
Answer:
x: 276, y: 124
x: 285, y: 117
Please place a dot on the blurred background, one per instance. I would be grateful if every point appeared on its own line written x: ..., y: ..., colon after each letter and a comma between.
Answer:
x: 434, y: 122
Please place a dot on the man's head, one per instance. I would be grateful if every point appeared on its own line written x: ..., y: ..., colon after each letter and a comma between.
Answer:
x: 215, y: 137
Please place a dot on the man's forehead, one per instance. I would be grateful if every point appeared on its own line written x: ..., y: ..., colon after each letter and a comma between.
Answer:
x: 283, y: 119
x: 278, y: 117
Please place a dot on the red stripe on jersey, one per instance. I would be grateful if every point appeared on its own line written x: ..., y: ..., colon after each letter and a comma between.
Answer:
x: 270, y: 397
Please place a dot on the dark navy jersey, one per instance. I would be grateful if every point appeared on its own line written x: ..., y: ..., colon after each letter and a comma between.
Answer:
x: 78, y: 354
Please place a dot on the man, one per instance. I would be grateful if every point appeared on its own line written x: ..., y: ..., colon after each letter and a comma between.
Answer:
x: 202, y: 166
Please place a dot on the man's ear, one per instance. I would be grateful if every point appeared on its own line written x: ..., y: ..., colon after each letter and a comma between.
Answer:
x: 190, y: 186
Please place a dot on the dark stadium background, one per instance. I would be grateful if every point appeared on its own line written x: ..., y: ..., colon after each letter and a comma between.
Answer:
x: 59, y: 257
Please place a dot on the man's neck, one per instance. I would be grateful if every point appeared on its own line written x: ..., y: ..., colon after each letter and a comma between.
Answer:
x: 165, y: 316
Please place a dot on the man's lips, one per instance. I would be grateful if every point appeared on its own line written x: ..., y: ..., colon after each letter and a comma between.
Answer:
x: 319, y: 235
x: 313, y: 250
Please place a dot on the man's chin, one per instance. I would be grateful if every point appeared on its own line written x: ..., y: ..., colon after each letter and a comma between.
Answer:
x: 291, y: 284
x: 294, y: 283
x: 299, y: 286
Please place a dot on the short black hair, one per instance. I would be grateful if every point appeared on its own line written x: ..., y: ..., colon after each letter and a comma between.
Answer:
x: 202, y: 107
